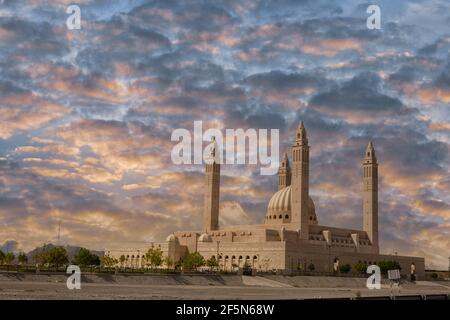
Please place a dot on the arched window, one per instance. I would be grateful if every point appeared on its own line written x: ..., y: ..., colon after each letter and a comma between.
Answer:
x: 286, y: 216
x: 280, y: 216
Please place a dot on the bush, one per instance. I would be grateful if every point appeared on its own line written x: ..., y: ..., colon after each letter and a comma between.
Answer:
x: 108, y: 261
x: 193, y: 261
x: 388, y: 265
x: 360, y: 267
x: 212, y: 262
x: 434, y: 275
x: 311, y: 267
x: 345, y: 268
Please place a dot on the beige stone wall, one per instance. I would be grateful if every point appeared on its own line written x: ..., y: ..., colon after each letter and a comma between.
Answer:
x: 269, y: 249
x: 262, y: 256
x: 267, y: 256
x: 135, y: 257
x: 323, y: 257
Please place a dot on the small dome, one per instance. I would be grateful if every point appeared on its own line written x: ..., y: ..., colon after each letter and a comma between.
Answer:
x: 205, y: 238
x: 279, y: 208
x: 171, y: 237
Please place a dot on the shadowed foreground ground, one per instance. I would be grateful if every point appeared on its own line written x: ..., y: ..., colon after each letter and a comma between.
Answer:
x: 202, y: 287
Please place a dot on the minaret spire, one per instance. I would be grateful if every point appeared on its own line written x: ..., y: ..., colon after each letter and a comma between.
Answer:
x: 370, y: 151
x: 212, y: 190
x: 370, y: 196
x: 300, y: 182
x: 300, y: 135
x: 284, y: 173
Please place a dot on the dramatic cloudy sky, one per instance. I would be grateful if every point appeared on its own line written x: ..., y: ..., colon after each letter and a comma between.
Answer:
x: 86, y: 115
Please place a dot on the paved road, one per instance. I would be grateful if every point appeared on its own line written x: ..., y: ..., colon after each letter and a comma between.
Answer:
x: 49, y: 290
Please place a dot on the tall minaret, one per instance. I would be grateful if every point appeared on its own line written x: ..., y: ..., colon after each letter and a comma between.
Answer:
x: 370, y: 196
x: 284, y: 173
x: 212, y: 190
x: 300, y: 181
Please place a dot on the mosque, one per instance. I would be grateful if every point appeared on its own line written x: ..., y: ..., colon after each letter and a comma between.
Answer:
x: 290, y: 238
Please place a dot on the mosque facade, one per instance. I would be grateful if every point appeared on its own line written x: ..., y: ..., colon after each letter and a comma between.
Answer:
x: 290, y: 238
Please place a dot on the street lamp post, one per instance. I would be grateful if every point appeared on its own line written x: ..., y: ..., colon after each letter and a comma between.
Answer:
x: 218, y: 263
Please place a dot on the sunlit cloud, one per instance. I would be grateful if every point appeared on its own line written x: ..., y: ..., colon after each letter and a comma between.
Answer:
x: 87, y: 115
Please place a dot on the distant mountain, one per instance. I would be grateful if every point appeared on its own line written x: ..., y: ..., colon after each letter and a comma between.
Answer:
x: 71, y: 251
x: 10, y: 246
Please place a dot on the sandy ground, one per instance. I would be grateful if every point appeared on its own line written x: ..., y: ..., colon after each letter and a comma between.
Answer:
x: 257, y: 288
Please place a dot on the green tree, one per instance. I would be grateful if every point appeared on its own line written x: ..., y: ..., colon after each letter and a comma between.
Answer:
x: 2, y: 257
x: 56, y: 256
x: 360, y: 267
x: 169, y: 262
x: 345, y: 268
x: 122, y: 260
x: 192, y: 261
x: 41, y: 256
x: 22, y: 258
x: 9, y: 258
x: 108, y: 261
x: 311, y: 267
x: 84, y: 258
x: 154, y: 257
x: 388, y: 265
x: 212, y: 262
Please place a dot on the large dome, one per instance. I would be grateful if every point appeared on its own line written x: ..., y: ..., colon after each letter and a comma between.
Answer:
x: 279, y: 208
